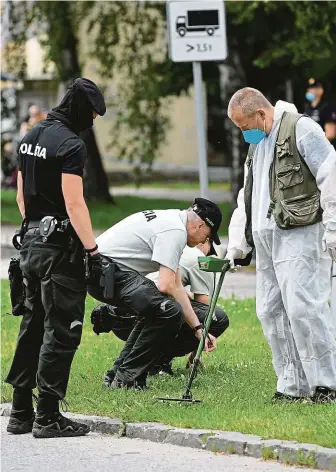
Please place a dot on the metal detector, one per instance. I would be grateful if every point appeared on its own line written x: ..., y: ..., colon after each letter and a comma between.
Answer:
x: 207, y: 264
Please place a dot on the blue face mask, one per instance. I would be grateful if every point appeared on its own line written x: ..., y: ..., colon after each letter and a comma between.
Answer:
x: 310, y: 96
x: 255, y: 135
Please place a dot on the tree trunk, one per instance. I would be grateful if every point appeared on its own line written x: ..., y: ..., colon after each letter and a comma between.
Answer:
x: 232, y: 78
x: 95, y: 179
x: 215, y: 114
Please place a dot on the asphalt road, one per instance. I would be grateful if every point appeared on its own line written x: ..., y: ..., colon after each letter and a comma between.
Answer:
x: 102, y: 453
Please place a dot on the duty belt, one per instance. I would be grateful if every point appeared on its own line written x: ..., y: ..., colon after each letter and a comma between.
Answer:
x: 49, y: 224
x: 46, y: 226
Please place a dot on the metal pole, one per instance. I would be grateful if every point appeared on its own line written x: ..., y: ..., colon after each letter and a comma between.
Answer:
x: 202, y: 147
x: 207, y: 325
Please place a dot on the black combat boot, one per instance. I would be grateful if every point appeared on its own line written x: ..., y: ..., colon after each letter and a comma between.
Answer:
x: 22, y: 414
x: 161, y: 369
x: 50, y: 423
x: 108, y: 379
x: 139, y: 384
x: 324, y: 395
x: 283, y: 397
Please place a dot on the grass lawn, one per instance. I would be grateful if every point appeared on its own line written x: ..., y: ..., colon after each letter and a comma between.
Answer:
x: 104, y: 215
x: 236, y: 386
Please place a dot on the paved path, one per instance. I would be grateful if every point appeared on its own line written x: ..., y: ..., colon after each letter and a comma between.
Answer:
x: 240, y: 284
x: 103, y: 453
x: 218, y: 196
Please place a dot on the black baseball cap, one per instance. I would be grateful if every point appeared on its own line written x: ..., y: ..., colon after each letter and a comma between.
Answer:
x: 209, y: 212
x: 314, y: 83
x: 93, y: 93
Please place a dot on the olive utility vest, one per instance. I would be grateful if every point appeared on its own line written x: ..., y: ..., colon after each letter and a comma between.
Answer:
x: 295, y: 197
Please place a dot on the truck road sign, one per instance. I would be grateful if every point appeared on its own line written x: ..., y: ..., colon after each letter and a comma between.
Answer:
x: 196, y: 30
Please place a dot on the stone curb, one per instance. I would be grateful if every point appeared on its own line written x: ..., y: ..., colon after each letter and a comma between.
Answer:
x: 287, y: 452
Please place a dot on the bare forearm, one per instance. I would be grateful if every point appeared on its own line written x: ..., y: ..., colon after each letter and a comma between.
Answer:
x: 19, y: 195
x: 180, y: 295
x: 81, y: 222
x: 330, y: 131
x: 20, y: 203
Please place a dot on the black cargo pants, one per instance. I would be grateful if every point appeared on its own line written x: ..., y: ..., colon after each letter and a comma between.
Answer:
x: 159, y: 318
x: 51, y: 326
x: 185, y: 341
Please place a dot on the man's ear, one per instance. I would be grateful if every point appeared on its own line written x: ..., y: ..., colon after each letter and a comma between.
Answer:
x: 262, y: 114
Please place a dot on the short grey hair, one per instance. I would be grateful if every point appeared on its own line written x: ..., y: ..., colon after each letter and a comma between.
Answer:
x: 248, y: 100
x: 192, y: 216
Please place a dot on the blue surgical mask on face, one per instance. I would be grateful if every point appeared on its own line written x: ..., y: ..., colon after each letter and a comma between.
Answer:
x: 310, y: 96
x: 255, y: 135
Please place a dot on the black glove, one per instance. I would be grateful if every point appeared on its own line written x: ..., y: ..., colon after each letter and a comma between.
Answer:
x: 94, y: 268
x: 246, y: 261
x: 101, y: 319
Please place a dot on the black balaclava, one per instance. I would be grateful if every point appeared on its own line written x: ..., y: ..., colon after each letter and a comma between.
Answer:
x: 83, y: 97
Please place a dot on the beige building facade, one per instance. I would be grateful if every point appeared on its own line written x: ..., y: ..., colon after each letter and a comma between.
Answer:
x: 178, y: 152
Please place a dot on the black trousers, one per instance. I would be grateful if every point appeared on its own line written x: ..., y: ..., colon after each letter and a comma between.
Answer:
x: 51, y: 327
x: 123, y: 323
x: 159, y: 318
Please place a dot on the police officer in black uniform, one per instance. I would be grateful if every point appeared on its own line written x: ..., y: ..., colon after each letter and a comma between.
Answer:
x: 56, y: 230
x: 321, y: 110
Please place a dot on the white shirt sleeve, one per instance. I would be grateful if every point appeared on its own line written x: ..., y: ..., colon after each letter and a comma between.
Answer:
x: 201, y: 283
x: 168, y: 247
x: 237, y: 224
x: 320, y: 157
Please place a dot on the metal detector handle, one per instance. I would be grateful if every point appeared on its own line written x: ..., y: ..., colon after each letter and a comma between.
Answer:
x: 244, y: 262
x: 205, y: 332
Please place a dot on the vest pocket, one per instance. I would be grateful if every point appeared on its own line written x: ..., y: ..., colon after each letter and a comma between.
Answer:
x: 289, y: 175
x: 302, y: 210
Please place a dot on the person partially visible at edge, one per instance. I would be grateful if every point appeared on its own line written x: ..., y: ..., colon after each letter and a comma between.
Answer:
x: 35, y: 115
x: 50, y: 186
x: 321, y: 110
x: 287, y: 211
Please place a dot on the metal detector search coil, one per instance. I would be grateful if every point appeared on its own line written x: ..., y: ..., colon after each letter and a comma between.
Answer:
x: 208, y: 264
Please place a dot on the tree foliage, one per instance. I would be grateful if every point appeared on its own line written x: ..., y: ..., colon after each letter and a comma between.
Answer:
x: 298, y: 31
x: 269, y: 43
x: 55, y: 25
x: 130, y: 45
x: 17, y: 17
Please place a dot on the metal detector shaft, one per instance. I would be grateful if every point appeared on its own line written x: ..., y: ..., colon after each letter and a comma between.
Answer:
x: 207, y: 324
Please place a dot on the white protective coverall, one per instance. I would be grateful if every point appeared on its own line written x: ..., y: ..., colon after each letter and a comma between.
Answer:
x: 293, y: 273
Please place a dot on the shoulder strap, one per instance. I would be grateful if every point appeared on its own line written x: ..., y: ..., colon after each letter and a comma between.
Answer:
x: 288, y: 125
